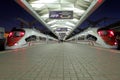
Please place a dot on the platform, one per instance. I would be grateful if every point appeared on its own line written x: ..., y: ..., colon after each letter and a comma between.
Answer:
x: 60, y: 61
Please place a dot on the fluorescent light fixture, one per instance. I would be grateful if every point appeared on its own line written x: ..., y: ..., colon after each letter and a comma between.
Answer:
x: 54, y: 25
x: 88, y: 0
x: 79, y: 11
x: 45, y: 16
x: 75, y: 20
x: 70, y: 24
x: 46, y: 1
x: 51, y: 22
x: 37, y: 5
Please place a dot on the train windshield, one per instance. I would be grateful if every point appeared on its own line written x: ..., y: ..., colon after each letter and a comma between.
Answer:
x: 17, y: 33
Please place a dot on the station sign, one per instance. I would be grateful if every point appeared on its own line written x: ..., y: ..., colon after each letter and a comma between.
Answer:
x: 61, y: 14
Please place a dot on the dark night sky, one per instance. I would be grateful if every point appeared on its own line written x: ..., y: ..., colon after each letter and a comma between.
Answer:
x: 10, y: 10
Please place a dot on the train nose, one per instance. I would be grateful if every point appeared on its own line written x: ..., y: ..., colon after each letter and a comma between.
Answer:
x: 14, y: 37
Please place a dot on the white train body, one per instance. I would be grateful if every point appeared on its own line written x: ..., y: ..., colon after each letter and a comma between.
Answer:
x: 98, y: 37
x: 23, y: 37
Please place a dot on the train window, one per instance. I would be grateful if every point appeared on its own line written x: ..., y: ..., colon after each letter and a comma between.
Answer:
x: 31, y: 38
x: 40, y: 38
x: 73, y: 39
x: 81, y: 38
x: 50, y: 39
x: 91, y: 37
x: 43, y: 38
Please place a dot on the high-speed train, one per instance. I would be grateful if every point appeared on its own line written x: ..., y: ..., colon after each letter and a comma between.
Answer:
x: 103, y: 37
x: 23, y: 37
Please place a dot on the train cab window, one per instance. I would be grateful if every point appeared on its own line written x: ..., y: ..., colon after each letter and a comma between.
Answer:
x: 109, y: 33
x: 17, y: 33
x: 102, y: 33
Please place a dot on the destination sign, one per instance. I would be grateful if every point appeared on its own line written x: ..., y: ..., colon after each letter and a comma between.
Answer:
x: 61, y: 14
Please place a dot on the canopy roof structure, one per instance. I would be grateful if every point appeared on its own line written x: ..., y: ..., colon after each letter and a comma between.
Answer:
x: 62, y: 17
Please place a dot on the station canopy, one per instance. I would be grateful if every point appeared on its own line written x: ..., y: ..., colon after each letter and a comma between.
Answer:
x: 61, y: 17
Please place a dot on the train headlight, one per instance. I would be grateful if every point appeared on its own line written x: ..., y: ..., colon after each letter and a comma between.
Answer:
x: 16, y: 44
x: 115, y: 43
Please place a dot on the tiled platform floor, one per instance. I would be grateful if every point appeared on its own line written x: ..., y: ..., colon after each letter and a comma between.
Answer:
x: 64, y: 61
